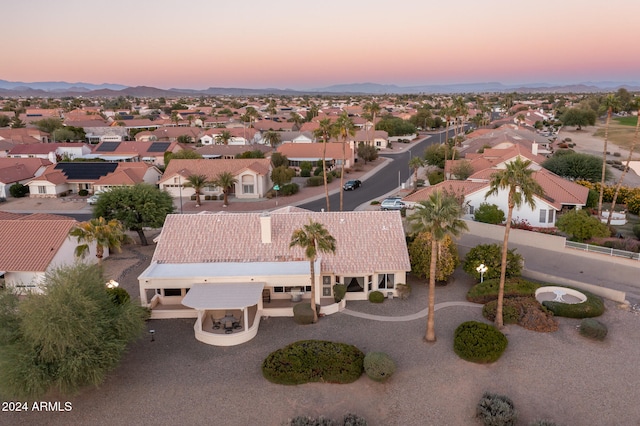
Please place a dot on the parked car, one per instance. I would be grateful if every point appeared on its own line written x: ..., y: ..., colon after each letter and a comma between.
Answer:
x: 350, y: 185
x: 392, y: 204
x: 93, y: 199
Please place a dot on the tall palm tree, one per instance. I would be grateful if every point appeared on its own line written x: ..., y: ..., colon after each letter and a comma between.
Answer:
x: 517, y: 179
x: 225, y: 180
x: 447, y: 112
x: 625, y: 170
x: 461, y: 111
x: 313, y: 238
x: 272, y: 137
x: 105, y: 234
x: 439, y: 215
x: 415, y: 163
x: 326, y: 130
x: 372, y: 108
x: 224, y: 137
x: 197, y: 182
x: 611, y: 103
x: 345, y: 128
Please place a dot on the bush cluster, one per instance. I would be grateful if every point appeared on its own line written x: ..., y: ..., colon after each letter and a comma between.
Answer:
x: 119, y: 295
x: 479, y: 342
x: 496, y: 410
x: 376, y: 297
x: 314, y: 361
x: 289, y: 189
x: 379, y: 366
x: 513, y: 287
x: 489, y: 213
x: 339, y: 291
x: 404, y: 291
x: 527, y: 312
x: 593, y: 329
x: 491, y: 256
x: 316, y: 181
x: 592, y: 307
x: 627, y: 195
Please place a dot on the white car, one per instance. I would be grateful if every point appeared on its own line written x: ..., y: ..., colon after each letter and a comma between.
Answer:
x: 93, y: 199
x: 392, y: 204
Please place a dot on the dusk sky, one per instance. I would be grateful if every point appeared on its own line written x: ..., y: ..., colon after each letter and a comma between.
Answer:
x: 305, y: 45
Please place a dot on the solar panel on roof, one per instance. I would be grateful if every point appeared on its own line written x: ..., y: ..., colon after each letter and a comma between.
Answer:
x: 108, y: 146
x: 86, y: 171
x: 159, y: 146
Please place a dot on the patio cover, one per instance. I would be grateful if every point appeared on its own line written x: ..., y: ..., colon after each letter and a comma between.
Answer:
x: 223, y: 296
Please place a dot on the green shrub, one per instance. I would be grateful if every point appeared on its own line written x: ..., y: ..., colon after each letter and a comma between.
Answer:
x: 404, y: 291
x: 479, y: 342
x: 491, y: 255
x: 510, y: 311
x: 489, y: 213
x: 593, y: 329
x: 435, y: 177
x: 592, y: 198
x: 305, y: 173
x: 119, y: 295
x: 314, y: 361
x: 83, y: 193
x: 302, y: 313
x: 636, y: 230
x: 376, y: 297
x: 527, y: 312
x: 379, y: 366
x: 592, y: 307
x: 376, y: 202
x: 289, y: 189
x: 513, y: 287
x: 581, y: 226
x: 18, y: 190
x: 316, y: 181
x: 317, y: 171
x: 496, y: 410
x: 351, y: 419
x: 339, y: 291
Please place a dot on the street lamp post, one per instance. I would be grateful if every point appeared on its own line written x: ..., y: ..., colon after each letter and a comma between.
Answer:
x: 482, y: 268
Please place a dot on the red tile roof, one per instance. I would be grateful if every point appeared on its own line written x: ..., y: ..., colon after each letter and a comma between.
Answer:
x: 212, y: 168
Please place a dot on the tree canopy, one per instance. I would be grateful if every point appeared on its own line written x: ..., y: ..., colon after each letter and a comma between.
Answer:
x: 576, y: 166
x: 136, y: 207
x: 581, y: 226
x: 68, y: 337
x: 395, y: 126
x: 578, y: 117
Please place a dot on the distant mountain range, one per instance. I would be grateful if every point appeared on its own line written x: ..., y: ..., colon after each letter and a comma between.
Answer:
x: 61, y: 88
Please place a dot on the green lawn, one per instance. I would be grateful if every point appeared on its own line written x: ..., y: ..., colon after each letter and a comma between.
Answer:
x: 627, y: 121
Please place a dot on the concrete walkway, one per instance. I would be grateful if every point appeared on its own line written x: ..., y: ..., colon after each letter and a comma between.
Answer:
x: 421, y: 314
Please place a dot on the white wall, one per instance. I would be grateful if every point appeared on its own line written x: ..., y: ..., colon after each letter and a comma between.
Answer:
x: 519, y: 214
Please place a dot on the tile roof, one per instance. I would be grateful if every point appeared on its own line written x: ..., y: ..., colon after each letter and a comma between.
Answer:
x: 313, y: 150
x: 366, y: 241
x: 212, y: 168
x: 34, y: 242
x: 458, y: 187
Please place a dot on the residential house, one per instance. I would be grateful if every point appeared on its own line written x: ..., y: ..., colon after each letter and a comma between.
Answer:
x: 253, y: 176
x: 230, y: 151
x: 14, y: 171
x: 202, y: 270
x: 67, y: 178
x: 148, y: 152
x: 296, y: 137
x: 50, y: 151
x: 39, y: 243
x: 239, y: 136
x: 24, y: 135
x: 299, y: 152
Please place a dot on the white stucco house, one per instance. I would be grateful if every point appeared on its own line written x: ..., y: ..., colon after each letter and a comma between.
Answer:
x: 239, y: 265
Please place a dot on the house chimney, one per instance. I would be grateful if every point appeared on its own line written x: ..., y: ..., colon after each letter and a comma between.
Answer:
x: 265, y: 228
x: 534, y: 148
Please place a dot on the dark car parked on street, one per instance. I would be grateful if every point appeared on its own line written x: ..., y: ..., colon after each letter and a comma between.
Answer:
x: 350, y: 185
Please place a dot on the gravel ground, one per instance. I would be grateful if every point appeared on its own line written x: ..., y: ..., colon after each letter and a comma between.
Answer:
x: 177, y: 380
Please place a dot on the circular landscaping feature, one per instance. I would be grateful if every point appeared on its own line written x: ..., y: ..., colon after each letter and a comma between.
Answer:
x: 314, y: 361
x: 560, y: 294
x: 479, y: 342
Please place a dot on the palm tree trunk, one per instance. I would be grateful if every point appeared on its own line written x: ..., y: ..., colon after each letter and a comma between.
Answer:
x: 431, y: 333
x: 446, y: 147
x: 324, y: 172
x: 503, y: 264
x: 312, y: 267
x: 626, y: 169
x: 604, y: 162
x: 344, y: 162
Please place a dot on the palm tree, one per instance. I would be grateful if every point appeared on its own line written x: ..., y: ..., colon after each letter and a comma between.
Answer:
x: 515, y: 178
x: 461, y: 111
x: 197, y: 182
x: 313, y: 238
x: 345, y: 129
x: 325, y: 131
x: 447, y: 112
x: 415, y: 163
x: 105, y: 234
x: 610, y: 103
x: 224, y: 137
x: 272, y: 137
x: 373, y: 108
x: 625, y: 170
x: 225, y: 180
x: 439, y: 215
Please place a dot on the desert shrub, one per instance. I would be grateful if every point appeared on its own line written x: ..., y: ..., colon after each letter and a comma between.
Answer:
x: 510, y: 311
x: 351, y: 419
x: 592, y: 198
x: 289, y: 189
x: 626, y: 244
x: 317, y: 171
x: 420, y: 257
x: 119, y: 295
x: 616, y: 154
x: 83, y: 193
x: 513, y: 287
x: 314, y: 361
x: 404, y: 291
x: 479, y: 342
x: 302, y: 313
x: 376, y: 297
x: 375, y: 202
x: 592, y: 307
x: 636, y: 230
x: 339, y: 291
x: 489, y: 213
x: 491, y: 256
x: 593, y: 329
x: 305, y: 173
x: 379, y: 366
x: 496, y: 410
x: 435, y: 177
x: 18, y: 190
x: 315, y: 181
x: 581, y: 226
x: 348, y: 420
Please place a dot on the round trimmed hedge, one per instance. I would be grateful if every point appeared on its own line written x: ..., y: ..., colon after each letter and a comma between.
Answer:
x: 379, y: 366
x: 479, y: 342
x: 314, y: 361
x: 592, y: 307
x: 376, y: 297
